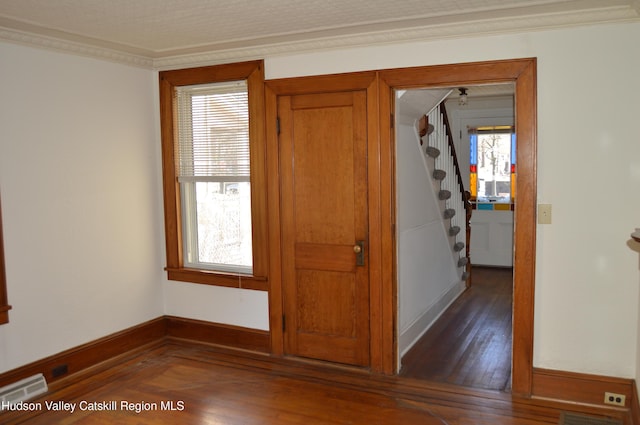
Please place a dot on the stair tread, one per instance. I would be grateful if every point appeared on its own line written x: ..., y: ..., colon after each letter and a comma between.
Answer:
x: 444, y: 194
x: 439, y: 174
x: 432, y: 152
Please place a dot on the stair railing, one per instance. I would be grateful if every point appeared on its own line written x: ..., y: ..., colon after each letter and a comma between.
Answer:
x: 452, y: 188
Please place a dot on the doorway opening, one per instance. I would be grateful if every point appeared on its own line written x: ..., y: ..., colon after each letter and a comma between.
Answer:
x: 455, y: 323
x: 469, y: 344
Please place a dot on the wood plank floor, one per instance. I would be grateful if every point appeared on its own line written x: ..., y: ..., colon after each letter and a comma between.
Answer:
x: 470, y: 344
x: 179, y: 382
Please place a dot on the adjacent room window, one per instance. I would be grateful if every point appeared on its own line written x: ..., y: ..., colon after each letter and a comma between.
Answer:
x: 213, y: 150
x: 492, y: 164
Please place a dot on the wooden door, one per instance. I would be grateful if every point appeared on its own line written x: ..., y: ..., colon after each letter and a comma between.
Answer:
x: 323, y: 160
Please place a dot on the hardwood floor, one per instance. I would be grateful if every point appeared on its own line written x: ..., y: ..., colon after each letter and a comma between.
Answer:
x: 470, y: 344
x: 175, y: 381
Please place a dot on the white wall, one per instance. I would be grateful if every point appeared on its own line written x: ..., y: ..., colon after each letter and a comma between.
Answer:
x: 587, y: 303
x: 80, y: 201
x: 232, y: 306
x: 428, y: 279
x: 586, y: 311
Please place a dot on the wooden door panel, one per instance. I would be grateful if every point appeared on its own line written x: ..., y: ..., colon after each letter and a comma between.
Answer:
x: 324, y: 213
x: 315, y: 316
x: 340, y: 258
x: 323, y: 170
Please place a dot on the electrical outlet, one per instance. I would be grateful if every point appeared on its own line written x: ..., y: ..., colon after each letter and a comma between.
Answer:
x: 614, y: 399
x: 60, y: 370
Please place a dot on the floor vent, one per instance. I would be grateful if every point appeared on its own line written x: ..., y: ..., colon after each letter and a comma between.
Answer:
x: 573, y: 419
x: 22, y: 390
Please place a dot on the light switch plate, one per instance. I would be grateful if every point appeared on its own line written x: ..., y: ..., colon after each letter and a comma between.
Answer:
x: 544, y: 213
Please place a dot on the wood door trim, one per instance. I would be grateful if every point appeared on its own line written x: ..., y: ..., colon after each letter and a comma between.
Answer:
x: 522, y: 72
x: 581, y: 388
x: 321, y: 83
x: 381, y: 167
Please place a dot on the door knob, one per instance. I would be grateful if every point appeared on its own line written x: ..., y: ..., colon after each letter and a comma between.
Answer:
x: 357, y: 249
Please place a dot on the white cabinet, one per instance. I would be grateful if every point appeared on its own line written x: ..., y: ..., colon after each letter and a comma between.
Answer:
x: 492, y: 238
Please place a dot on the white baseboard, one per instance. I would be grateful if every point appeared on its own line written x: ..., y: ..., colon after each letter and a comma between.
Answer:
x: 420, y: 326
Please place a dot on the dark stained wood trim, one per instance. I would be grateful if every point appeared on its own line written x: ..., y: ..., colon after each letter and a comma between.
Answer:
x: 375, y: 158
x: 452, y: 75
x: 253, y: 73
x: 580, y: 387
x: 524, y: 265
x: 276, y: 308
x: 4, y: 299
x: 138, y: 337
x: 91, y: 353
x: 321, y: 83
x: 218, y: 334
x: 522, y: 72
x: 207, y: 277
x: 635, y: 404
x: 208, y: 74
x: 387, y: 314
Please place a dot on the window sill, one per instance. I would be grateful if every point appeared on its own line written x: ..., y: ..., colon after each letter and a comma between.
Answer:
x: 208, y: 277
x: 492, y: 206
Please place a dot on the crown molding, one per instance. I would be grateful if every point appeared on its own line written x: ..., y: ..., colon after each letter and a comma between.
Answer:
x: 74, y: 48
x: 418, y: 31
x: 426, y: 33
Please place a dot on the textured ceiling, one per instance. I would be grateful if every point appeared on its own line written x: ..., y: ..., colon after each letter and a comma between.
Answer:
x: 156, y: 29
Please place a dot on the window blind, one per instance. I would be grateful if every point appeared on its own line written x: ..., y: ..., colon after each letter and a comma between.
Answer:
x: 213, y: 132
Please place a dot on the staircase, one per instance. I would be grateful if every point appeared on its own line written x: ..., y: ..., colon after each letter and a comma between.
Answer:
x: 437, y: 144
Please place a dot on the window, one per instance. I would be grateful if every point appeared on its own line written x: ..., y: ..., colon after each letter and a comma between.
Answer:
x: 213, y: 163
x: 213, y: 167
x: 4, y: 303
x: 492, y: 164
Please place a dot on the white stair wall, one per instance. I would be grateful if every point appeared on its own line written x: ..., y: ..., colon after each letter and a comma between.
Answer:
x: 428, y: 277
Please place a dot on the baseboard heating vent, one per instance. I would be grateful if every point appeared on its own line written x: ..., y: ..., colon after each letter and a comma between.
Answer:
x: 22, y: 390
x: 574, y: 419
